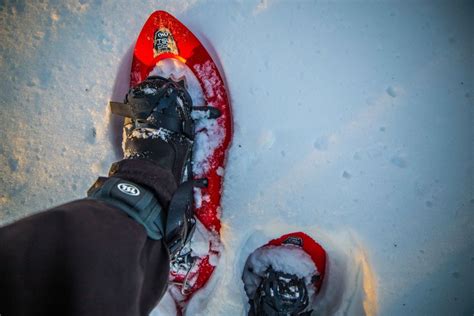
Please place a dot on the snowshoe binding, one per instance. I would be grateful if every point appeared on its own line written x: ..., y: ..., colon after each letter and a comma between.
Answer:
x: 284, y: 276
x: 159, y: 126
x: 280, y: 294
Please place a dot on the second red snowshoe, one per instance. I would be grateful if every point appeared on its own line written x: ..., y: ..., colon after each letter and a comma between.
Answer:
x: 284, y: 276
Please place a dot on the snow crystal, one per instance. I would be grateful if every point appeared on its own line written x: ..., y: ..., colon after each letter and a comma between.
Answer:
x: 206, y: 71
x: 201, y: 240
x: 146, y: 132
x: 209, y: 137
x: 213, y: 260
x: 175, y: 69
x: 180, y: 102
x: 197, y: 197
x: 198, y: 115
x: 220, y: 171
x: 149, y: 90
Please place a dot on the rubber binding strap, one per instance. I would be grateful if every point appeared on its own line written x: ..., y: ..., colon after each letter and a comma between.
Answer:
x: 136, y: 201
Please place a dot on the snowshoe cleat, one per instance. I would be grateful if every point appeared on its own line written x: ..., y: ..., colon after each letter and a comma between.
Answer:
x: 280, y: 294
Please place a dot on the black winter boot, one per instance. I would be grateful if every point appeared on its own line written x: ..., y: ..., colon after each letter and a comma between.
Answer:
x: 158, y: 125
x: 158, y: 140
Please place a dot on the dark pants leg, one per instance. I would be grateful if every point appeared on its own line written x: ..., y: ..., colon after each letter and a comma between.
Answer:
x: 86, y: 257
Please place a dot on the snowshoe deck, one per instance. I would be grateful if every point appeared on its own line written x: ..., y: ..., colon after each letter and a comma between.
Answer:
x: 162, y: 37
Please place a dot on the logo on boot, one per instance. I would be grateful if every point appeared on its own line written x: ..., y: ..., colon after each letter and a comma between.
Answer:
x: 128, y: 189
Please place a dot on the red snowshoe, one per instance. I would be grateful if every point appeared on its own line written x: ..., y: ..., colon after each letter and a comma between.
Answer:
x: 164, y: 37
x: 284, y: 276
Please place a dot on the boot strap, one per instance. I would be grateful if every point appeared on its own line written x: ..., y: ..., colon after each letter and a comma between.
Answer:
x: 139, y: 203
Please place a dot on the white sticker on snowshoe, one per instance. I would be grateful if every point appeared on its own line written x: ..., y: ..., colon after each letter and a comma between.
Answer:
x: 293, y: 241
x: 163, y: 42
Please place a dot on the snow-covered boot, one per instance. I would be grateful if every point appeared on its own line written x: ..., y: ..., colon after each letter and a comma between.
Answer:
x: 284, y: 276
x: 158, y: 127
x: 158, y: 124
x: 280, y: 294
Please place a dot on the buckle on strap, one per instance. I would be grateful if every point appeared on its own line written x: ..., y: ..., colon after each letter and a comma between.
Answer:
x: 135, y: 200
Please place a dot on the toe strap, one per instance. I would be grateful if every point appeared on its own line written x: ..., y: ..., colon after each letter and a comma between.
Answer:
x: 133, y: 110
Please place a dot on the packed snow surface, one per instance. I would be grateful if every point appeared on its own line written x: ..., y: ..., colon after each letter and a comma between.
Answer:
x: 352, y: 122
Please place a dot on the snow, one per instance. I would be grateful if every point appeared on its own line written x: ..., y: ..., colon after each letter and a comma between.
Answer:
x: 150, y: 133
x: 176, y: 70
x: 220, y: 171
x: 209, y: 137
x: 201, y: 240
x: 287, y: 258
x: 349, y: 286
x: 206, y: 71
x: 148, y: 90
x: 352, y: 122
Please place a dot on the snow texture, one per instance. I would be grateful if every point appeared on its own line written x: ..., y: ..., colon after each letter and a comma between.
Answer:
x: 201, y: 240
x: 210, y: 135
x: 150, y: 133
x: 352, y: 121
x: 177, y: 71
x: 286, y: 258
